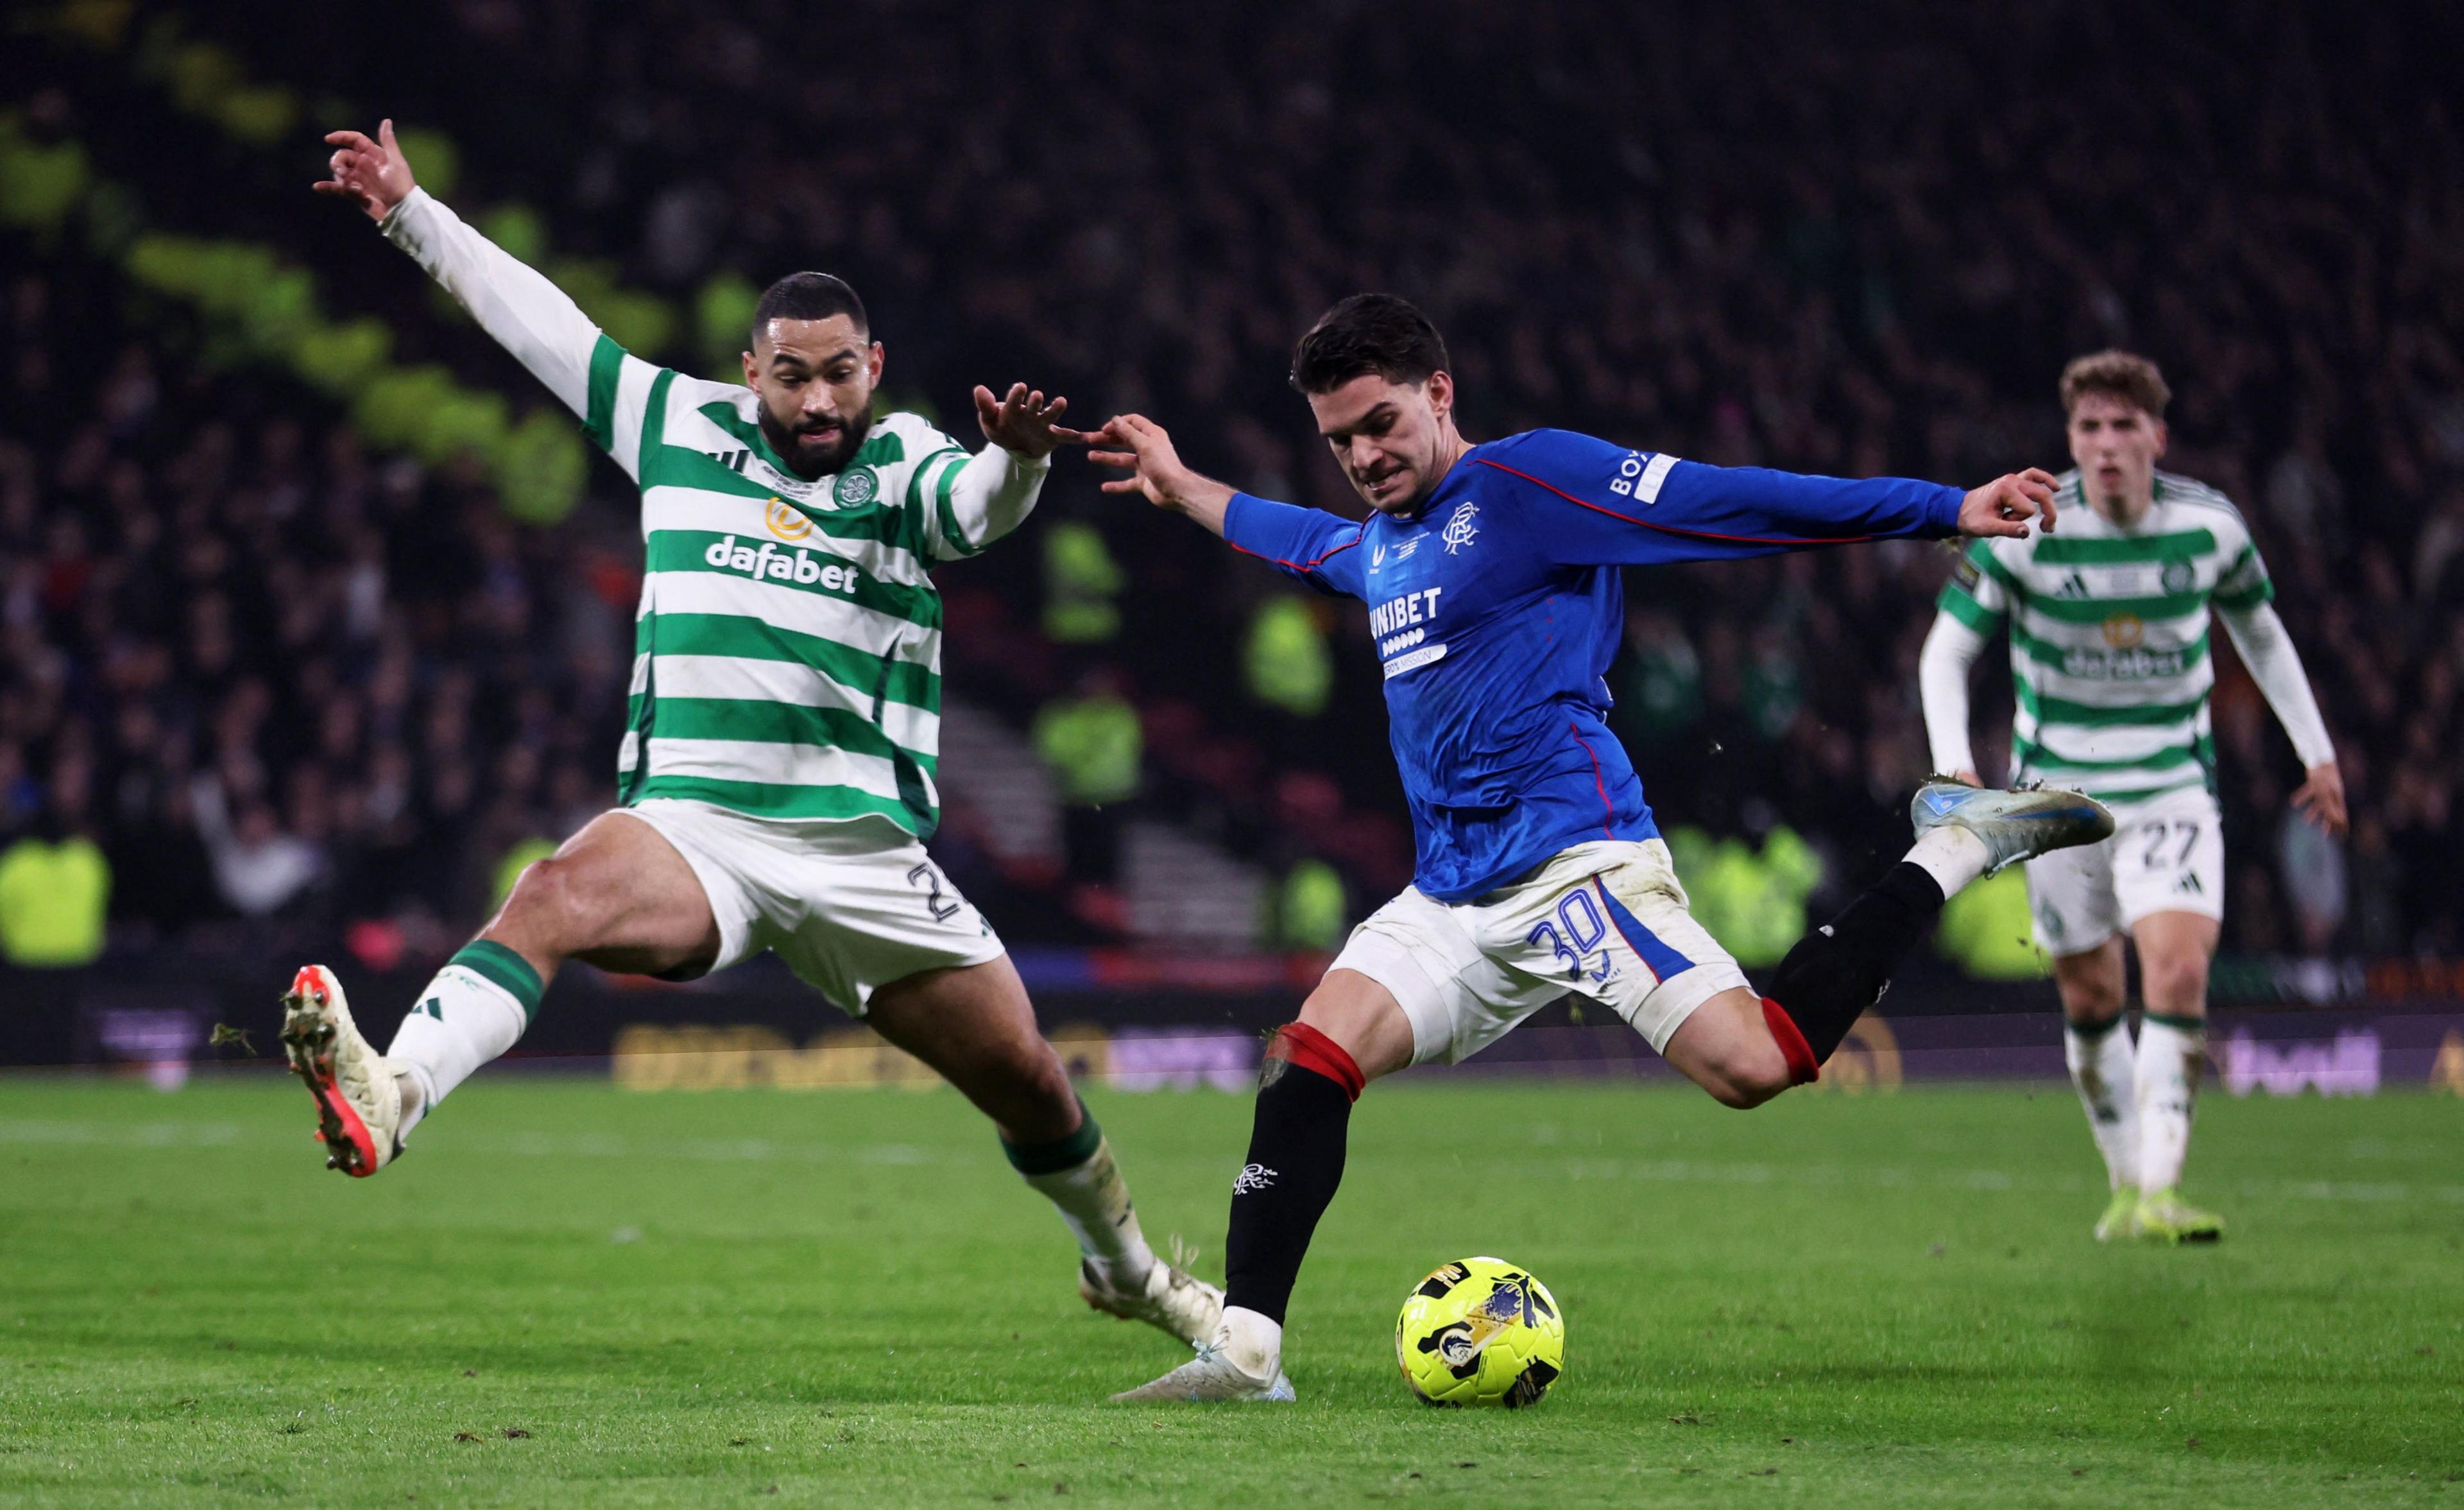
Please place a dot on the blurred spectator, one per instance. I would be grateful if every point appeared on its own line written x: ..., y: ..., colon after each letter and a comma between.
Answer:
x: 1081, y: 580
x: 1659, y: 685
x: 1094, y: 747
x: 258, y: 867
x: 1310, y: 909
x: 1752, y: 899
x: 54, y: 889
x: 1286, y: 658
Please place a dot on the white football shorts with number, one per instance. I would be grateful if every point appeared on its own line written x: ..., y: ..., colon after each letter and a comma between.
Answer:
x: 2167, y: 855
x: 850, y: 906
x: 1606, y: 922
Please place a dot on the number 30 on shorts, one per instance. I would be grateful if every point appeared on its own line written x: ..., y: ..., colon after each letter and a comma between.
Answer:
x: 1576, y: 931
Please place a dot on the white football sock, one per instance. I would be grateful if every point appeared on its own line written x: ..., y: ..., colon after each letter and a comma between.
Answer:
x: 2171, y: 1053
x: 1254, y: 1343
x: 1953, y: 856
x: 472, y: 1012
x: 2103, y: 1067
x: 1094, y: 1201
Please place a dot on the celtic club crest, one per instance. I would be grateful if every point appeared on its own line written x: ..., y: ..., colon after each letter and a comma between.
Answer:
x: 856, y: 488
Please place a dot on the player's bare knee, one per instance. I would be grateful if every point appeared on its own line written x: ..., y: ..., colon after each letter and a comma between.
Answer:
x: 2177, y: 986
x: 1752, y: 1076
x: 547, y: 906
x: 2091, y: 1001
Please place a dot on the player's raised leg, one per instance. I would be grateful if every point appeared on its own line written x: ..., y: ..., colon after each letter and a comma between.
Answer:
x: 974, y: 1025
x: 617, y: 895
x: 1840, y: 969
x: 2174, y: 948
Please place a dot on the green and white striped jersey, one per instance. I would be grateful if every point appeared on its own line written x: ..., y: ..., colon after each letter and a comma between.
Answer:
x: 787, y: 650
x: 2109, y: 631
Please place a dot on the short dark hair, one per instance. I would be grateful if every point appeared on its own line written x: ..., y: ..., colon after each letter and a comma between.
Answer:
x: 2125, y: 375
x: 810, y: 296
x: 1368, y: 333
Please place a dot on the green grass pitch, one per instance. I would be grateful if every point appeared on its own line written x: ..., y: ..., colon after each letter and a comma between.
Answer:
x: 568, y: 1294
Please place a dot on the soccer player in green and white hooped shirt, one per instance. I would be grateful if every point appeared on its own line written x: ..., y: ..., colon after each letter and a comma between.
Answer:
x: 2109, y: 623
x: 776, y: 782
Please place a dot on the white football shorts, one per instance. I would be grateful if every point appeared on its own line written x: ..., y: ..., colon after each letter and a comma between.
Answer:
x: 850, y: 906
x: 1605, y: 921
x: 2167, y: 855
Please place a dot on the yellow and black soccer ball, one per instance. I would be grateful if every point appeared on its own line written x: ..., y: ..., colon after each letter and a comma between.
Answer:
x: 1480, y: 1331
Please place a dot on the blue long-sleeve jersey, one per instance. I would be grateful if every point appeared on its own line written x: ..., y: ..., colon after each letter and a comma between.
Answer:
x: 1498, y: 606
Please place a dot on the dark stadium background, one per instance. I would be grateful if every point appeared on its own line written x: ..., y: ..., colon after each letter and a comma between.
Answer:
x: 1854, y: 240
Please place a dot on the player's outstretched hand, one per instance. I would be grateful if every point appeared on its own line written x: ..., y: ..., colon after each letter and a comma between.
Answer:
x: 2321, y: 799
x: 373, y: 175
x: 2003, y: 505
x: 1021, y: 421
x: 1143, y: 449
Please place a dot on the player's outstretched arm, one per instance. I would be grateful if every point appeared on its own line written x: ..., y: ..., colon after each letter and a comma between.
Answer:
x: 1311, y: 544
x: 529, y: 316
x: 995, y: 489
x: 1594, y: 504
x: 1143, y: 449
x: 2266, y: 650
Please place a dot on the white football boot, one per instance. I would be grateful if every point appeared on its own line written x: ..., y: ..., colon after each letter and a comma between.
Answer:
x: 1211, y: 1377
x: 1171, y: 1299
x: 2018, y: 824
x: 358, y: 1105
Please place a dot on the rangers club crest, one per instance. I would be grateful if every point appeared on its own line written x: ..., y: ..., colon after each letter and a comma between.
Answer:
x: 1459, y: 530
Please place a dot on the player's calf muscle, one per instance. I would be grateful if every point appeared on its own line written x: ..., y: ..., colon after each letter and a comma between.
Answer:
x: 975, y: 1026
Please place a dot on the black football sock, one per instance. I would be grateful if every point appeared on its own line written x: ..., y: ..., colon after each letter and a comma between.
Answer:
x: 1840, y: 969
x: 1306, y: 1089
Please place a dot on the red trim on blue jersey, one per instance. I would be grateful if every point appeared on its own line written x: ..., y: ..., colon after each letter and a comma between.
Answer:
x: 1671, y: 529
x: 1598, y: 778
x: 1303, y: 566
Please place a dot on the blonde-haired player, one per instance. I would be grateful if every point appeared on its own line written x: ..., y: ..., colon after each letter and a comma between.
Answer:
x: 2108, y: 625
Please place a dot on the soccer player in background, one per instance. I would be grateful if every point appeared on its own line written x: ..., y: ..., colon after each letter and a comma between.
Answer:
x: 2108, y: 625
x: 776, y: 783
x: 1492, y: 575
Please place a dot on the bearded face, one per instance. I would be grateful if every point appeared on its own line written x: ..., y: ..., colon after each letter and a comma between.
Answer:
x: 815, y: 380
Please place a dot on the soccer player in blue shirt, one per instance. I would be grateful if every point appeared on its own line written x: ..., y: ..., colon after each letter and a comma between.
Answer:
x: 1493, y: 578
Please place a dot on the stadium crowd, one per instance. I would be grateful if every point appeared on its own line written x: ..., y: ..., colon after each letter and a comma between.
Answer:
x: 276, y: 675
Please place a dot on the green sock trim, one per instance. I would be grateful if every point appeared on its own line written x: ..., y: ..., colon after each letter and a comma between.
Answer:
x: 493, y: 961
x: 2093, y: 1030
x: 1066, y: 1153
x: 2178, y: 1024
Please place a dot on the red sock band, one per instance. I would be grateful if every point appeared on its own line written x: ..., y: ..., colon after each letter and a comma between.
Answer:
x: 1305, y: 1048
x: 1802, y: 1070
